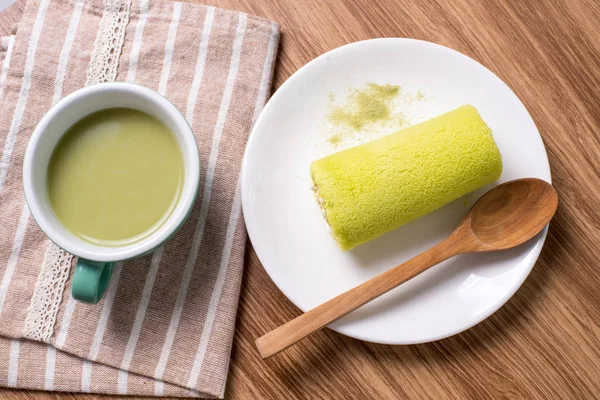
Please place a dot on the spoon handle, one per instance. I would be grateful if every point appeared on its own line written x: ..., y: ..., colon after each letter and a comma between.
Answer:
x: 311, y: 321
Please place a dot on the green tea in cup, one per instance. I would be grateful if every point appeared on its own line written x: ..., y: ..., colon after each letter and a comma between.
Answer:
x: 115, y: 176
x: 110, y: 173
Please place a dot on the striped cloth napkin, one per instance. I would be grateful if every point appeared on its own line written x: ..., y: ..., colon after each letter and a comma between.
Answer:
x: 166, y: 324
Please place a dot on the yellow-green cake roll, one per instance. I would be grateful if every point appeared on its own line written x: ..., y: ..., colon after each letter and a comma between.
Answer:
x: 371, y: 189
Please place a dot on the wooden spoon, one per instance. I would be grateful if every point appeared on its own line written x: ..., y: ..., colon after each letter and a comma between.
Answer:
x: 506, y: 216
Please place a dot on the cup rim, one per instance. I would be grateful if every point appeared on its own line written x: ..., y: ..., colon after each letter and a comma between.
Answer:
x: 184, y: 206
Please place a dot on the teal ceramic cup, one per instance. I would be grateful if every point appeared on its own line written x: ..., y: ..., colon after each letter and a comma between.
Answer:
x: 96, y: 262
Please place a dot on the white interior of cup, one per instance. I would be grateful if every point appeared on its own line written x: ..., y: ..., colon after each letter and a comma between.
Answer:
x: 55, y: 124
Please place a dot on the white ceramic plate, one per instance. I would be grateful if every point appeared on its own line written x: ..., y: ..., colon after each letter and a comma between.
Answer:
x: 290, y: 236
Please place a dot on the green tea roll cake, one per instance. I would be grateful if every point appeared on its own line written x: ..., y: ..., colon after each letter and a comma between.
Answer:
x: 371, y: 189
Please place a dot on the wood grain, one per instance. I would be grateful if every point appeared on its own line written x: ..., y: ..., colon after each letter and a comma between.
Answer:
x: 545, y: 342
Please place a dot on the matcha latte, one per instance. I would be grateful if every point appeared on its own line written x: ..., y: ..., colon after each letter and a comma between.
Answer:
x: 115, y: 176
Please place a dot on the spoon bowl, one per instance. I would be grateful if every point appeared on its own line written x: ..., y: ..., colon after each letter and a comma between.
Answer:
x: 511, y: 213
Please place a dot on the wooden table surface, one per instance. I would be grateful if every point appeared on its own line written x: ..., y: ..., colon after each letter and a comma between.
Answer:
x: 545, y: 342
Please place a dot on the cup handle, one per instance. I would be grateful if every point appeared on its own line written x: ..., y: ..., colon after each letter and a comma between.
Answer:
x: 90, y: 280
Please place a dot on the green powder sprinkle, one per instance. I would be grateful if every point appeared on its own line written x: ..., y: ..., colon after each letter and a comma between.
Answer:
x: 335, y: 139
x: 368, y: 112
x: 402, y: 120
x: 386, y: 91
x: 365, y: 106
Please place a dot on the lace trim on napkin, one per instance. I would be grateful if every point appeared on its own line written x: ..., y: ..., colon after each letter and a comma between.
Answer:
x: 109, y: 42
x: 41, y: 314
x: 48, y: 292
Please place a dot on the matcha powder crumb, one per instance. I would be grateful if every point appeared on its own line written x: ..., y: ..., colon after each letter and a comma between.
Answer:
x: 365, y: 106
x: 335, y: 139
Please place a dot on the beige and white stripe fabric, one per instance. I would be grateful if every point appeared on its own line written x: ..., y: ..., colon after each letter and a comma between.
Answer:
x: 166, y: 324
